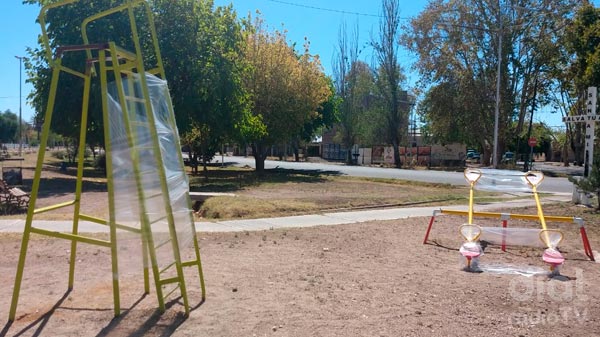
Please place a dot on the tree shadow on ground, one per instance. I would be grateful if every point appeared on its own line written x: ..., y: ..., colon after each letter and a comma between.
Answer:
x: 230, y: 180
x: 59, y: 186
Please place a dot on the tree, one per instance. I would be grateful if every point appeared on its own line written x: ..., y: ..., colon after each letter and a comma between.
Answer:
x: 581, y: 69
x: 200, y: 47
x: 286, y: 89
x: 202, y: 50
x: 327, y: 115
x: 9, y: 126
x: 345, y: 56
x: 63, y: 27
x: 389, y: 77
x: 461, y: 45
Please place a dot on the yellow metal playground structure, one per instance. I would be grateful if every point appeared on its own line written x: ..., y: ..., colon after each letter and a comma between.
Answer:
x: 148, y: 196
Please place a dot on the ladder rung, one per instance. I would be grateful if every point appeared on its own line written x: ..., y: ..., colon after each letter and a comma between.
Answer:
x: 162, y: 271
x: 135, y: 99
x: 53, y: 207
x: 155, y: 71
x: 190, y: 263
x: 152, y: 196
x: 164, y: 217
x: 169, y: 280
x: 172, y: 290
x: 139, y: 123
x: 162, y: 244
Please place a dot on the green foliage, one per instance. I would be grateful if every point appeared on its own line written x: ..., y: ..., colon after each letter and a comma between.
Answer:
x: 583, y: 40
x: 63, y: 27
x: 59, y: 154
x: 357, y: 106
x: 286, y: 89
x: 591, y: 183
x: 9, y: 127
x: 579, y: 69
x: 389, y: 76
x: 202, y: 51
x: 458, y: 49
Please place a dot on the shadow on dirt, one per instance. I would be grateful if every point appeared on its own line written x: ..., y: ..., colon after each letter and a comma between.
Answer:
x: 59, y: 186
x: 39, y: 323
x: 124, y: 324
x: 230, y: 180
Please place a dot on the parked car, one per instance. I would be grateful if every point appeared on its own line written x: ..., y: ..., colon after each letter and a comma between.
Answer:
x: 508, y: 157
x: 186, y: 158
x: 473, y: 156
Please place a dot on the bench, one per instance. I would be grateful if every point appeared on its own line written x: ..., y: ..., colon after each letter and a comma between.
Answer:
x: 12, y: 198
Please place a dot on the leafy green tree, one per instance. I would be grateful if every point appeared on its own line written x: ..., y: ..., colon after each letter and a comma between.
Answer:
x: 345, y: 56
x: 286, y: 89
x: 327, y: 115
x: 581, y: 69
x: 63, y: 27
x: 202, y: 51
x: 198, y: 138
x: 389, y: 77
x: 460, y: 45
x: 200, y: 47
x: 9, y: 126
x: 357, y: 107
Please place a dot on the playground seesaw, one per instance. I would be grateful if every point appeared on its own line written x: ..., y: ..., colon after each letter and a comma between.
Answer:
x: 474, y: 235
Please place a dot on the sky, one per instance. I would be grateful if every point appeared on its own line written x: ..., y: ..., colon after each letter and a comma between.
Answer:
x: 317, y: 20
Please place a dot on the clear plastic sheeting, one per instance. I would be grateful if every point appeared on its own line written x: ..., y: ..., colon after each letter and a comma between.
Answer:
x: 507, y: 180
x: 513, y: 270
x: 531, y: 237
x: 137, y: 169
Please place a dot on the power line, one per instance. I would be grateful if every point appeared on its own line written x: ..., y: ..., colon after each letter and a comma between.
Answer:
x: 324, y: 9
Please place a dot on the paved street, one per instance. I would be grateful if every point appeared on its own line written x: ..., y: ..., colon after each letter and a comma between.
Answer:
x: 549, y: 185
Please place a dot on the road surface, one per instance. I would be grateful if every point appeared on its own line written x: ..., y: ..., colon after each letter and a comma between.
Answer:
x: 549, y: 185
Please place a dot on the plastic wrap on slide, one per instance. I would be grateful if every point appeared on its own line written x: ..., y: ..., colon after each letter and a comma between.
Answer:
x: 530, y: 237
x: 131, y: 141
x: 503, y: 181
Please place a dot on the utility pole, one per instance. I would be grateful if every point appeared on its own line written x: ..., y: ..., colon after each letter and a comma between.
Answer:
x: 20, y: 106
x: 497, y: 112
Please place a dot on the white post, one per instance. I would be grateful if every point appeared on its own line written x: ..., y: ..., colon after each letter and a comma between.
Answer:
x: 590, y: 126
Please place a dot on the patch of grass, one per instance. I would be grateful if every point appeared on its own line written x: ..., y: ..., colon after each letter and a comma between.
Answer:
x: 245, y: 207
x: 289, y: 192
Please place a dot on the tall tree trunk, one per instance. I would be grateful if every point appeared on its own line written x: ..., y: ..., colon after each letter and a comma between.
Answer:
x: 205, y: 168
x: 397, y: 161
x: 260, y: 154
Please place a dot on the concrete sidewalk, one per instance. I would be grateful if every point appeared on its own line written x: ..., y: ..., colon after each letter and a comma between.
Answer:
x: 324, y: 219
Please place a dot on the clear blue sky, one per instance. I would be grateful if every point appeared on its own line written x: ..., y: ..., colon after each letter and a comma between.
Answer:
x: 318, y: 20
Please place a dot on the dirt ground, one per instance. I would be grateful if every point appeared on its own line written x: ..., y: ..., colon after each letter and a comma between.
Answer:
x: 369, y: 279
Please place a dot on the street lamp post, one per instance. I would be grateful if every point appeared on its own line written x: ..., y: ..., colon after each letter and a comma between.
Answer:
x: 20, y: 104
x: 497, y: 112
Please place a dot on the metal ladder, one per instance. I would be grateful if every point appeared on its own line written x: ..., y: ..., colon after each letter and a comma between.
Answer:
x: 121, y: 66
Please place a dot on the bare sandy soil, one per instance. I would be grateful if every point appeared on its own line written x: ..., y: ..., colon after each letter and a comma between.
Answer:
x: 369, y: 279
